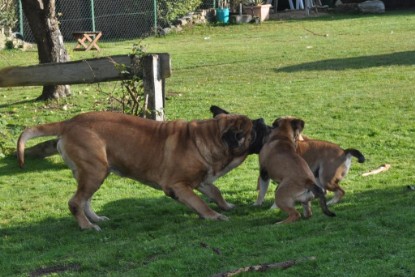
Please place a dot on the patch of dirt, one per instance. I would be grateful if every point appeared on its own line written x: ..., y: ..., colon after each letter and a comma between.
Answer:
x: 54, y: 270
x: 296, y: 14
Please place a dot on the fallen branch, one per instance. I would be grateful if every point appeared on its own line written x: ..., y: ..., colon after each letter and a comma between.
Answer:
x: 378, y: 170
x: 214, y: 249
x: 264, y: 267
x: 316, y: 34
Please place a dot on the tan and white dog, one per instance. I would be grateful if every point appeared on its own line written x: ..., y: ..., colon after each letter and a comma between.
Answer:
x: 175, y: 156
x: 279, y: 161
x: 328, y: 162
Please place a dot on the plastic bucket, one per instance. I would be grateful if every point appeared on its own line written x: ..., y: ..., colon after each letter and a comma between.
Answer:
x: 222, y: 15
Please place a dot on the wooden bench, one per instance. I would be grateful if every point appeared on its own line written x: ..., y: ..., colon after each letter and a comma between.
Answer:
x: 87, y: 40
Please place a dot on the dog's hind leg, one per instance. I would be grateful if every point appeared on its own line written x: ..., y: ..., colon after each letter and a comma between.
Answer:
x: 286, y: 202
x: 319, y: 193
x: 338, y: 195
x: 211, y: 191
x: 263, y: 184
x: 307, y: 213
x: 89, y: 180
x: 91, y: 214
x: 184, y: 194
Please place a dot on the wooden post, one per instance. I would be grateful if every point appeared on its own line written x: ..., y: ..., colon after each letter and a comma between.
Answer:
x: 153, y: 68
x: 153, y: 86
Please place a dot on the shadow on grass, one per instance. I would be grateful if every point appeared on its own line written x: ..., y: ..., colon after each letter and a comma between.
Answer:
x: 17, y: 103
x: 400, y: 58
x: 9, y: 165
x: 147, y: 225
x: 132, y: 221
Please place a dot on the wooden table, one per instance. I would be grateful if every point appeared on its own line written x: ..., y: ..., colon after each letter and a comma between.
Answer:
x: 87, y: 40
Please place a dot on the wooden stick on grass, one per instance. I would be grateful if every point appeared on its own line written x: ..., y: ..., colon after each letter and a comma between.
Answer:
x: 380, y: 169
x: 264, y: 267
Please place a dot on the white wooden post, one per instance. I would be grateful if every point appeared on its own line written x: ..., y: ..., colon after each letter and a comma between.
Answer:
x: 156, y: 68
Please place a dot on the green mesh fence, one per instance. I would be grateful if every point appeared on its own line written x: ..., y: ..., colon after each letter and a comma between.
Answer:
x: 120, y: 19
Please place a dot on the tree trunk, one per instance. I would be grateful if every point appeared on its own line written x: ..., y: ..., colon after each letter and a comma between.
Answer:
x: 45, y: 28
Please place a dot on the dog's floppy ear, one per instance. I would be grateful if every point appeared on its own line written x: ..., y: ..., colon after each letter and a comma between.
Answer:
x: 233, y: 129
x: 298, y: 126
x: 233, y: 138
x: 275, y: 124
x: 261, y: 128
x: 215, y: 110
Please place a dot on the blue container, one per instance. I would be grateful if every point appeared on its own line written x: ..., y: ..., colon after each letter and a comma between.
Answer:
x: 222, y: 15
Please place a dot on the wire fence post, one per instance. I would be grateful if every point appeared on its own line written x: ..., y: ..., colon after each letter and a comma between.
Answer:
x: 93, y: 15
x: 155, y: 17
x: 21, y: 31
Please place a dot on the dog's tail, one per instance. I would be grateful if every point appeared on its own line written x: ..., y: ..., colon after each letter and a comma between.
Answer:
x: 355, y: 153
x: 319, y: 193
x: 51, y: 129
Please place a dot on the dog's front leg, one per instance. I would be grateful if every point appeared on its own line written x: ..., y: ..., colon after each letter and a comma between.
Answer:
x: 211, y: 191
x: 184, y: 194
x: 263, y: 187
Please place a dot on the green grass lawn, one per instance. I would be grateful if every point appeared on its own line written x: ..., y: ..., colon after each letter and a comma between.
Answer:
x: 351, y: 78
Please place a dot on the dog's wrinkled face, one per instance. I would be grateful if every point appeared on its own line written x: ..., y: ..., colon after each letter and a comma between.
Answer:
x: 289, y: 126
x: 236, y: 132
x: 260, y: 131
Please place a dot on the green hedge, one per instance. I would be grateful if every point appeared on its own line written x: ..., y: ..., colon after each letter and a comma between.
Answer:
x: 169, y: 10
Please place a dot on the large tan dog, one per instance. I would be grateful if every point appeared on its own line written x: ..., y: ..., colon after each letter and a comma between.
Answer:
x: 329, y: 163
x: 280, y: 162
x: 175, y: 156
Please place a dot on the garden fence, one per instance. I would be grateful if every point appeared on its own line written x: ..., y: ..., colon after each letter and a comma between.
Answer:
x: 121, y: 19
x: 116, y: 19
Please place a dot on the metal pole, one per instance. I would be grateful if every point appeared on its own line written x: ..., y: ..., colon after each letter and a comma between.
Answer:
x: 214, y: 3
x: 155, y: 17
x: 21, y: 18
x: 93, y: 15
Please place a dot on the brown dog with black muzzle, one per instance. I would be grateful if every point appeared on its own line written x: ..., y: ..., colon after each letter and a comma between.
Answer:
x: 175, y: 156
x: 280, y: 162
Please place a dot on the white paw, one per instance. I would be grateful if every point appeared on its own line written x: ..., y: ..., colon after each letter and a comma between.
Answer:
x: 102, y: 218
x: 230, y: 205
x: 274, y: 206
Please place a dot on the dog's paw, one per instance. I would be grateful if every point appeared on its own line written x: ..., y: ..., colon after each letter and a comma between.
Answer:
x: 332, y: 202
x: 102, y: 218
x: 91, y: 227
x: 222, y: 217
x: 273, y: 207
x: 229, y: 206
x: 96, y: 227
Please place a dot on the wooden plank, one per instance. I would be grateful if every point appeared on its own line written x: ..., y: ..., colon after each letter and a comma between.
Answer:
x: 79, y: 72
x: 75, y: 72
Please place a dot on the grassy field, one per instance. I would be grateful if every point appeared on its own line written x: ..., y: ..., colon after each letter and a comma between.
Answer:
x: 351, y: 78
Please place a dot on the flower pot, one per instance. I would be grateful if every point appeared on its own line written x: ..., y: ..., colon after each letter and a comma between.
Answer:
x: 222, y: 15
x: 261, y: 11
